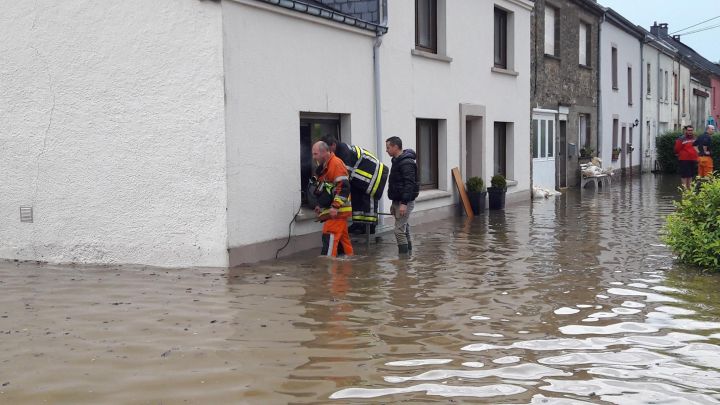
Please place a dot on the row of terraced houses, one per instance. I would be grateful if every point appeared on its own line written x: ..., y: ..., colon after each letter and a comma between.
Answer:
x: 178, y: 132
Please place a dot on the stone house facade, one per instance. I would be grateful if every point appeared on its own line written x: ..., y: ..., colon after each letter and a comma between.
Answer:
x: 564, y: 87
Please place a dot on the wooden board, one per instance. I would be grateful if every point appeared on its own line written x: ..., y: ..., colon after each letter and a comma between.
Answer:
x: 461, y: 189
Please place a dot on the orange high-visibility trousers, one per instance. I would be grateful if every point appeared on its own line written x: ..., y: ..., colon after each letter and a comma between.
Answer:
x: 705, y: 166
x: 334, y: 233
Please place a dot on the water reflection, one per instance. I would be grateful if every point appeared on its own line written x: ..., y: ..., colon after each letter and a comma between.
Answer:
x: 564, y: 301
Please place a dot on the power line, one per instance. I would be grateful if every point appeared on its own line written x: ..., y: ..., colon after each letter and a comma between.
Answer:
x: 700, y: 30
x: 695, y: 25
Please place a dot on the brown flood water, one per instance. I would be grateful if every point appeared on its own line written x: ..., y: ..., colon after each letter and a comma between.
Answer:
x: 566, y: 301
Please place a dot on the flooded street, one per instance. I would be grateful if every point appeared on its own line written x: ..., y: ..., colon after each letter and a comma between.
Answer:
x: 564, y: 301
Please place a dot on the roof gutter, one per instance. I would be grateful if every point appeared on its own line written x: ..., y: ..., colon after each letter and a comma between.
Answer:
x: 328, y: 14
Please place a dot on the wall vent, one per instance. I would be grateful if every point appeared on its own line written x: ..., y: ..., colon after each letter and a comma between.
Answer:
x: 26, y: 214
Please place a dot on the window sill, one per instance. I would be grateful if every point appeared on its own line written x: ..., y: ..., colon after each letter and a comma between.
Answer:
x: 616, y: 89
x: 553, y: 57
x: 504, y: 71
x: 586, y: 67
x: 648, y: 96
x: 427, y: 195
x: 305, y: 214
x: 430, y: 55
x: 511, y: 183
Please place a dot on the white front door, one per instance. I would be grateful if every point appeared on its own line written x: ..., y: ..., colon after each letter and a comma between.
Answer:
x: 543, y: 148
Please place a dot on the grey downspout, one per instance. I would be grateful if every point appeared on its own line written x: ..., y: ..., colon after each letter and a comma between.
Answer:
x: 642, y: 103
x: 599, y: 88
x: 378, y: 99
x: 657, y: 113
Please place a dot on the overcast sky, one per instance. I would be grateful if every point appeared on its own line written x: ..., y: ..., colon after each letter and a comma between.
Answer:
x: 678, y: 14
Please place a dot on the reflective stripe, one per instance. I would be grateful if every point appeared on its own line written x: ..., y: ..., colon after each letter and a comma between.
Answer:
x: 340, y: 178
x: 331, y: 245
x: 363, y: 173
x: 364, y: 218
x: 377, y: 180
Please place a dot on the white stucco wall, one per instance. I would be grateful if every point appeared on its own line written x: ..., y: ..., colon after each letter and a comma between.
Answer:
x: 419, y: 87
x: 614, y: 103
x: 657, y: 109
x: 278, y: 66
x: 112, y: 129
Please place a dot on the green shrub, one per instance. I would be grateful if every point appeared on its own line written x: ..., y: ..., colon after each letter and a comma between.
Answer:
x: 665, y: 149
x: 475, y: 185
x: 693, y: 230
x: 498, y: 181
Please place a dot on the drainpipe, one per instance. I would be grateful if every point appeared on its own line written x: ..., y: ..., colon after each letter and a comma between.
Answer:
x: 378, y: 99
x: 599, y: 90
x: 642, y: 102
x: 657, y: 113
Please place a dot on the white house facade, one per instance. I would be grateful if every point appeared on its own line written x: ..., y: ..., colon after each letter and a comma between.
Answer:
x: 620, y: 79
x: 113, y: 133
x: 181, y: 137
x: 658, y: 61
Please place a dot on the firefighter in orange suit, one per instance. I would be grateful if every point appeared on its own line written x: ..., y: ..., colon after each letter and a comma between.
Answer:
x: 333, y: 178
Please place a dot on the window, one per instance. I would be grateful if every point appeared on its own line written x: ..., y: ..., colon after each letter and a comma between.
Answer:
x: 683, y: 101
x: 614, y: 68
x: 552, y: 34
x: 629, y: 90
x: 584, y: 41
x: 501, y: 38
x: 426, y: 25
x: 649, y: 79
x: 543, y: 139
x: 584, y: 131
x: 426, y: 140
x: 666, y: 86
x: 312, y: 128
x: 660, y: 84
x: 500, y: 149
x: 615, y: 128
x: 676, y: 88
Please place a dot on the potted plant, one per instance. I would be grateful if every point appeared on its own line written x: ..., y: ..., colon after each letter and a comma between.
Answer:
x: 615, y: 153
x: 586, y: 152
x: 496, y: 192
x: 476, y: 194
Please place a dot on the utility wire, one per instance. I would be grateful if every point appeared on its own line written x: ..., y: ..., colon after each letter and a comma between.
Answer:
x: 700, y: 30
x: 695, y: 25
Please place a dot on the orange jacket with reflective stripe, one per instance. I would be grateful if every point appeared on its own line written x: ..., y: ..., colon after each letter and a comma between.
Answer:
x: 334, y: 172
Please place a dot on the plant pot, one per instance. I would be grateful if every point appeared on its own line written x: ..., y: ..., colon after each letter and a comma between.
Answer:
x: 496, y: 198
x: 477, y: 201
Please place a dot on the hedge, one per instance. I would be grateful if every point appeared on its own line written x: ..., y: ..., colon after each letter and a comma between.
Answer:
x: 693, y: 230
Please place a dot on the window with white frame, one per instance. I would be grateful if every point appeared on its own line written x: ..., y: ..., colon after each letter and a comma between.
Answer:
x: 543, y: 139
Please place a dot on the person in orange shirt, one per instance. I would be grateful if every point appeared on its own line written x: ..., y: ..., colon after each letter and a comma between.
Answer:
x: 704, y: 147
x: 333, y: 178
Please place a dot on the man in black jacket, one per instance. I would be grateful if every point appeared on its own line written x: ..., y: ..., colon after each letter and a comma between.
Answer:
x: 403, y: 189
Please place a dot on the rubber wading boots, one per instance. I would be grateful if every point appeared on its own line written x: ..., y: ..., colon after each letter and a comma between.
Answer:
x: 403, y: 249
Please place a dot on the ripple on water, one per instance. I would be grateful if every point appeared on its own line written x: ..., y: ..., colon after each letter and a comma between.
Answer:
x: 566, y: 311
x: 442, y: 390
x: 629, y: 357
x: 419, y: 362
x: 529, y: 371
x: 507, y: 360
x: 627, y: 392
x: 622, y: 327
x: 649, y: 297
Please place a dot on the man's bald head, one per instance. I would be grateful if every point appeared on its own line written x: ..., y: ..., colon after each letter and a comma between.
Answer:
x: 321, y: 152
